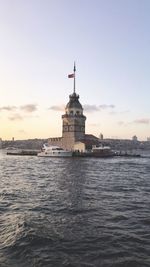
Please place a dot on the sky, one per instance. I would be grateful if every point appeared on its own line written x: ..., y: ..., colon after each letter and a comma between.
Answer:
x: 108, y: 39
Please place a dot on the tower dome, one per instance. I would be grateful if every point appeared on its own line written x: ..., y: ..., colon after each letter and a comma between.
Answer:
x: 74, y: 107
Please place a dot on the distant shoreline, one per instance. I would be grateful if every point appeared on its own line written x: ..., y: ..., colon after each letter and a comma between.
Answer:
x: 115, y: 144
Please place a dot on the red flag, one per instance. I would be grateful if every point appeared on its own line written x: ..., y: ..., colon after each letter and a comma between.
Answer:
x: 71, y: 75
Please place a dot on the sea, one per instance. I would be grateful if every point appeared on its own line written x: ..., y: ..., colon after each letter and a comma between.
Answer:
x: 74, y: 212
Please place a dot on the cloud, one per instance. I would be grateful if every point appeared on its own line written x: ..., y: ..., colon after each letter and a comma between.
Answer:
x: 142, y: 121
x: 22, y: 131
x: 119, y: 112
x: 26, y: 108
x: 106, y: 106
x: 138, y: 121
x: 18, y: 116
x: 18, y: 112
x: 86, y: 107
x: 93, y: 108
x: 120, y: 123
x: 15, y: 117
x: 29, y: 108
x: 8, y: 108
x: 90, y: 108
x: 58, y: 108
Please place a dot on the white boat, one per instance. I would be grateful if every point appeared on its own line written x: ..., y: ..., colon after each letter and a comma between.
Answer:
x: 54, y: 151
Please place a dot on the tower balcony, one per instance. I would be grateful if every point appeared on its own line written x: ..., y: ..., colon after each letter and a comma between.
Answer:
x: 73, y: 116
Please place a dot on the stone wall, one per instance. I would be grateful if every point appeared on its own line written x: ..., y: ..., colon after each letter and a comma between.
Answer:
x: 56, y: 141
x: 66, y: 142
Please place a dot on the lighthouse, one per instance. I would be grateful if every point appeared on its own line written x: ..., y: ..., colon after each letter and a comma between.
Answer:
x: 73, y: 121
x: 73, y: 125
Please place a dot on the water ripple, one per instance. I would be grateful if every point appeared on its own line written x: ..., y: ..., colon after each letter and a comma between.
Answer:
x: 74, y: 212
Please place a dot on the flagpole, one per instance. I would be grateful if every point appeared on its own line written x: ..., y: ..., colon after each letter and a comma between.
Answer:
x: 74, y: 85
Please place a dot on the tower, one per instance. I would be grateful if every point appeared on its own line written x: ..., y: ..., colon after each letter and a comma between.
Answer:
x: 73, y: 121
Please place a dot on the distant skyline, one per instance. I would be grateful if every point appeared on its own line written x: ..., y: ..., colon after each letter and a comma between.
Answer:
x: 108, y: 39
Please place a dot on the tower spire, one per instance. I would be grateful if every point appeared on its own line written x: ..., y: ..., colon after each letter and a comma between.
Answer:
x: 74, y: 84
x: 73, y: 75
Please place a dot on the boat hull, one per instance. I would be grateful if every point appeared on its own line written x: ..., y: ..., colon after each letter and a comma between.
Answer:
x: 65, y: 154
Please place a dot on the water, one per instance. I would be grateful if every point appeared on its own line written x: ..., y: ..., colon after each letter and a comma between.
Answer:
x: 74, y: 212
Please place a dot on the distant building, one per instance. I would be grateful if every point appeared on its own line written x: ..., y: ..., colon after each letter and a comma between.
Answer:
x: 134, y: 138
x: 101, y: 137
x: 73, y: 126
x: 148, y: 139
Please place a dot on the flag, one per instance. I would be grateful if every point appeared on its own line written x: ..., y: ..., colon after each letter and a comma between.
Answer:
x: 71, y: 75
